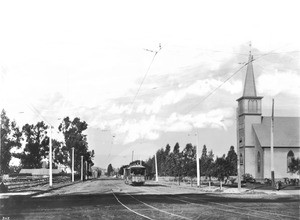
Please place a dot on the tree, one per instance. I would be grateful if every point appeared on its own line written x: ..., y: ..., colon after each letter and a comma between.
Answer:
x: 176, y: 162
x: 166, y: 152
x: 204, y: 161
x: 36, y: 147
x: 74, y: 137
x: 121, y: 170
x: 219, y: 168
x: 189, y: 161
x: 11, y: 137
x: 110, y: 170
x: 210, y: 164
x: 160, y: 160
x: 60, y: 151
x: 150, y: 167
x: 231, y: 160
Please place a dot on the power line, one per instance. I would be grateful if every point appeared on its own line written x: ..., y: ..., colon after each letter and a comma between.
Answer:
x: 37, y: 112
x: 142, y: 82
x: 213, y: 91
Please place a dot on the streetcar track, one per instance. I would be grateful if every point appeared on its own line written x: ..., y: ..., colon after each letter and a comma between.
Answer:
x: 152, y: 207
x: 221, y: 209
x: 242, y: 208
x: 169, y: 213
x: 251, y: 210
x: 131, y: 210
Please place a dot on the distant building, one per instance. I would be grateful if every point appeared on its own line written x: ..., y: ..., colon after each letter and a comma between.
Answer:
x: 254, y: 135
x: 39, y: 172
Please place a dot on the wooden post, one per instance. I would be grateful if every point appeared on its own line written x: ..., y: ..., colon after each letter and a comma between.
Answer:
x: 198, y: 165
x: 81, y: 168
x: 272, y: 146
x: 50, y: 158
x: 86, y: 167
x: 238, y: 150
x: 72, y: 164
x: 156, y: 172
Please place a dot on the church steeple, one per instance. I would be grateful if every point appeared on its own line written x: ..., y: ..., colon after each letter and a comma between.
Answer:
x: 249, y: 85
x: 249, y: 103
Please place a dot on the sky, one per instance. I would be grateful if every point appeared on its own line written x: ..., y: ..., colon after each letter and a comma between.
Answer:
x: 91, y: 59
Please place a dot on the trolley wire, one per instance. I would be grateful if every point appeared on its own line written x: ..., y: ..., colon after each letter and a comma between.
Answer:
x: 145, y: 76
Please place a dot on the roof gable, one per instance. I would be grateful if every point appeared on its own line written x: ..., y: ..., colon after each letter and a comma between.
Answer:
x: 286, y: 132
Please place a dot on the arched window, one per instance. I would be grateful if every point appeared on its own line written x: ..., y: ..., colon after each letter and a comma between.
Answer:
x: 241, y: 159
x: 290, y: 156
x: 258, y: 162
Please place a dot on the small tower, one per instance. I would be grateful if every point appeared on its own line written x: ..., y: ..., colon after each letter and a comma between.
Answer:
x: 249, y: 112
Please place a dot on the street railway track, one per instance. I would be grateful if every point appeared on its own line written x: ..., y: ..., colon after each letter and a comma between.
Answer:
x: 230, y: 208
x: 151, y: 211
x: 252, y: 213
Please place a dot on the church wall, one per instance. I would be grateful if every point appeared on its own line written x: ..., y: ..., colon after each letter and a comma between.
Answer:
x: 249, y: 143
x: 280, y: 162
x: 249, y: 133
x: 250, y: 161
x: 242, y: 164
x: 259, y: 173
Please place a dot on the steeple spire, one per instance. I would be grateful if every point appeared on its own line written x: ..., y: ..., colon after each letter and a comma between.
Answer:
x: 249, y: 85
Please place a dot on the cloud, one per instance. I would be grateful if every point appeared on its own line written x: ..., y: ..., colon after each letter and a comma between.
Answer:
x: 272, y: 84
x: 142, y: 129
x: 200, y: 88
x: 150, y: 127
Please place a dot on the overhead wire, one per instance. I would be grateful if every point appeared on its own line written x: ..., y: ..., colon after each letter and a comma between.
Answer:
x: 145, y: 76
x: 143, y: 80
x: 214, y: 90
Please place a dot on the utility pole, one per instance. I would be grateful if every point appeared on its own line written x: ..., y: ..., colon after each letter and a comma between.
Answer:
x: 197, y: 157
x: 132, y: 156
x: 156, y: 172
x: 50, y: 157
x: 238, y: 151
x: 86, y: 166
x: 272, y: 146
x: 72, y: 164
x: 0, y: 143
x: 81, y: 168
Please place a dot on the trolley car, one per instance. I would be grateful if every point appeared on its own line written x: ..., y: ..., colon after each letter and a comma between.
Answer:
x: 135, y: 175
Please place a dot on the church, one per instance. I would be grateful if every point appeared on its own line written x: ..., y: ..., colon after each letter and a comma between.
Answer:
x: 254, y: 135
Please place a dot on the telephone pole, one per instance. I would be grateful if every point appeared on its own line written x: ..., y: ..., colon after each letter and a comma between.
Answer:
x: 72, y: 164
x: 238, y: 150
x: 272, y: 146
x: 197, y: 157
x: 81, y: 168
x: 156, y: 172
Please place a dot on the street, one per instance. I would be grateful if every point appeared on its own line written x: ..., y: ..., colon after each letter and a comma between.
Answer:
x: 113, y: 199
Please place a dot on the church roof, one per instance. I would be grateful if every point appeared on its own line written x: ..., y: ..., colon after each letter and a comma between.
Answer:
x: 249, y: 85
x: 286, y: 131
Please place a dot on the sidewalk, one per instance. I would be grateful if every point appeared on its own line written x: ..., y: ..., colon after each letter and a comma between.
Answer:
x: 284, y: 190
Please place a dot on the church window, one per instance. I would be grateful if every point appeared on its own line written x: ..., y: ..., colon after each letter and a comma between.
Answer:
x: 258, y: 162
x: 241, y: 159
x: 290, y: 156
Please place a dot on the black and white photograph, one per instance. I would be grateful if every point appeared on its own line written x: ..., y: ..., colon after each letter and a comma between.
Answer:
x: 149, y: 109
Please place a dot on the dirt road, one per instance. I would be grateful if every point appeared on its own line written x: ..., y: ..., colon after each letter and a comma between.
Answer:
x: 112, y: 199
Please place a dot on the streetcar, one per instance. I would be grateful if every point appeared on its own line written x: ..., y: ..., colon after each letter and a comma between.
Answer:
x: 135, y: 175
